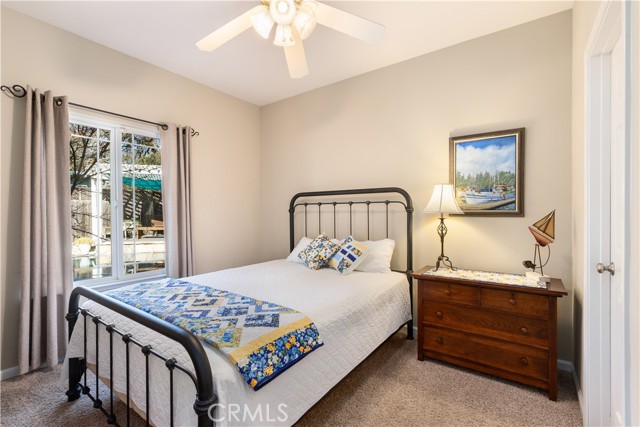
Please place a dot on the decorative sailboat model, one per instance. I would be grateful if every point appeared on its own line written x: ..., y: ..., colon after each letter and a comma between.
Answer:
x: 544, y: 231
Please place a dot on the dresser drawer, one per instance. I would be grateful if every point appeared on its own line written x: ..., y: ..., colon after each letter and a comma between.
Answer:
x: 521, y: 329
x: 514, y: 302
x: 515, y: 358
x: 455, y: 293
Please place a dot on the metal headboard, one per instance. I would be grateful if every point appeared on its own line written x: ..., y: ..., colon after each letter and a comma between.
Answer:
x: 311, y: 200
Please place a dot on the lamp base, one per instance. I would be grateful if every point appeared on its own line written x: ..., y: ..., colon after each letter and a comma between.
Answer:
x: 446, y: 262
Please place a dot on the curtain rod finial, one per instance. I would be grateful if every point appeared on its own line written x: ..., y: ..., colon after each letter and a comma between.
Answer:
x: 193, y: 132
x: 17, y: 91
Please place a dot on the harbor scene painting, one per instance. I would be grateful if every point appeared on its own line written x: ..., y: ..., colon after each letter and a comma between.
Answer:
x: 487, y: 172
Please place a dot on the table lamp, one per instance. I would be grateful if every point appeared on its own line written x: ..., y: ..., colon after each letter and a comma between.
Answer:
x: 443, y: 201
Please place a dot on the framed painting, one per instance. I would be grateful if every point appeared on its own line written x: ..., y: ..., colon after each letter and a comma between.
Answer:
x: 487, y: 172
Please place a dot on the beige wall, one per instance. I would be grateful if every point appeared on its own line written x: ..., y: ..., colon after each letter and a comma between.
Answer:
x: 225, y: 159
x: 388, y: 127
x: 391, y: 127
x: 584, y: 14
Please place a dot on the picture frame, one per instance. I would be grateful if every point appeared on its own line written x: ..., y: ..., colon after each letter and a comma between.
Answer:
x: 487, y: 172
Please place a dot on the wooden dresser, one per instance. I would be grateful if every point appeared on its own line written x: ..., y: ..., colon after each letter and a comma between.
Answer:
x: 503, y: 330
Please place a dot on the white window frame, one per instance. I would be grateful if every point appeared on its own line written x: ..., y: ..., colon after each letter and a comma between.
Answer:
x: 117, y: 126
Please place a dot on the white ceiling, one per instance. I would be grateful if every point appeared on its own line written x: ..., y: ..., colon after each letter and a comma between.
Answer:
x: 248, y: 67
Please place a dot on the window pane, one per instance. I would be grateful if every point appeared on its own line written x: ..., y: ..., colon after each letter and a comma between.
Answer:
x: 146, y: 141
x: 105, y: 134
x: 90, y: 170
x: 144, y: 248
x: 81, y: 130
x: 127, y: 154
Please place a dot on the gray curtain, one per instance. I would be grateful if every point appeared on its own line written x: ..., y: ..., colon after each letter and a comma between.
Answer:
x: 176, y: 200
x: 47, y: 278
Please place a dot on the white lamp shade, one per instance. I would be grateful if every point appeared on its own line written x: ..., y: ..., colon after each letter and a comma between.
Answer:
x: 262, y: 21
x: 443, y: 201
x: 305, y: 20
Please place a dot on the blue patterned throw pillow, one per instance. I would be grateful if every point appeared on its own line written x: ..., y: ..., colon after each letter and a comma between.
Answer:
x: 349, y: 256
x: 317, y: 254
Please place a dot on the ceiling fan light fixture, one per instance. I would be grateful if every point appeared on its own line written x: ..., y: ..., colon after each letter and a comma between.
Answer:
x: 284, y: 36
x: 283, y: 11
x: 294, y: 20
x: 262, y: 21
x: 305, y: 20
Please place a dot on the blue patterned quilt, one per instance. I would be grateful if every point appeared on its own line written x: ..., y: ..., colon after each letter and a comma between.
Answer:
x: 262, y: 339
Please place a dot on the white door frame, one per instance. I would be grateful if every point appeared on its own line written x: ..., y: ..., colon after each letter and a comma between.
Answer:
x: 610, y: 27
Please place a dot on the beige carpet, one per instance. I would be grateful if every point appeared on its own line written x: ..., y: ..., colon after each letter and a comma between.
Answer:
x: 391, y: 388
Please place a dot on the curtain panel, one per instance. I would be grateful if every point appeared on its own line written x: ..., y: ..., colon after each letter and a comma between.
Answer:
x: 46, y: 260
x: 176, y: 200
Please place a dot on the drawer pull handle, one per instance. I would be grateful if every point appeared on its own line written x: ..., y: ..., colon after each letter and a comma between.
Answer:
x: 524, y: 330
x: 512, y: 301
x: 447, y: 292
x: 439, y: 340
x: 439, y: 313
x: 524, y: 361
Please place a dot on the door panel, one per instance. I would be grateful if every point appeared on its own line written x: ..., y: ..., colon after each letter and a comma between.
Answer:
x: 618, y: 221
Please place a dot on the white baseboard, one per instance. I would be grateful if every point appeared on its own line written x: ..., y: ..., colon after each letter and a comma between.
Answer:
x: 576, y: 381
x: 5, y: 374
x: 565, y: 366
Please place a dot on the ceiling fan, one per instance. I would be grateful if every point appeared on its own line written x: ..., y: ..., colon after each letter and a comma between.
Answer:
x: 294, y: 20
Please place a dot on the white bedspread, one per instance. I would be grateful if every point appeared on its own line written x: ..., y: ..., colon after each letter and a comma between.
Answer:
x: 353, y: 313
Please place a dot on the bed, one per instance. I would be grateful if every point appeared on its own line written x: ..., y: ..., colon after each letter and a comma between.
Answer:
x: 159, y: 370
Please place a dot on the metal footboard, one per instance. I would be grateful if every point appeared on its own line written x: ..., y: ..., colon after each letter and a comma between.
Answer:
x: 202, y: 377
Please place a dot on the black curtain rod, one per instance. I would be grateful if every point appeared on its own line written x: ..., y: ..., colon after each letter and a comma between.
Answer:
x: 19, y: 91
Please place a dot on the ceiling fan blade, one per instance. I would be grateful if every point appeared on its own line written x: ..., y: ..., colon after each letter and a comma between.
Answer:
x: 296, y: 59
x: 227, y: 31
x: 349, y: 24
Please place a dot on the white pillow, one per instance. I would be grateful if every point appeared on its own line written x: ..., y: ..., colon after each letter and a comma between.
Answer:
x: 302, y: 244
x: 378, y: 259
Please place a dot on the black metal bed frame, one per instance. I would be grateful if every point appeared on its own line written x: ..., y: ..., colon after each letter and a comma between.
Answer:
x: 202, y: 377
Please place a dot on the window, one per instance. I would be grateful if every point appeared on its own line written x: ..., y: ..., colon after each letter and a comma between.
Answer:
x: 116, y: 202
